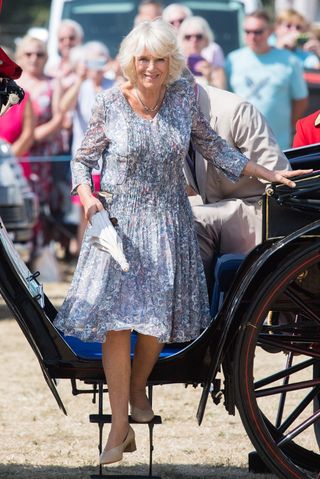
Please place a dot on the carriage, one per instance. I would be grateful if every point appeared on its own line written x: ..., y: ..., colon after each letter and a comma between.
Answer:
x: 265, y: 303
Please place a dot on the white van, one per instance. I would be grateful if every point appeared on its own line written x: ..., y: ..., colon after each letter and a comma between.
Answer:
x: 109, y: 21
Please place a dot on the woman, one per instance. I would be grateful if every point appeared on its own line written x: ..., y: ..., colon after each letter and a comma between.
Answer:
x: 17, y: 128
x: 292, y: 32
x: 32, y: 56
x: 44, y: 94
x: 142, y: 129
x: 205, y: 57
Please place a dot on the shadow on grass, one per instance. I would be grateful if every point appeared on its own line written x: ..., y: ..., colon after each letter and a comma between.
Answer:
x: 5, y: 312
x: 165, y: 471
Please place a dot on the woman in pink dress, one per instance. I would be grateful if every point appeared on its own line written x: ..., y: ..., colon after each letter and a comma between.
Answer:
x: 17, y: 128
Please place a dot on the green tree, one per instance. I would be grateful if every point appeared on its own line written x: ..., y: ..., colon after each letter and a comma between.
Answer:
x: 25, y: 12
x: 17, y: 16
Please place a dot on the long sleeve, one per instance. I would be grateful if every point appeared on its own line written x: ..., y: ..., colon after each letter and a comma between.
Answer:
x: 212, y: 147
x: 93, y: 145
x: 254, y: 138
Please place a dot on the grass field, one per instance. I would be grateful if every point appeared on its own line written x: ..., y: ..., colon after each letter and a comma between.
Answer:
x: 39, y: 442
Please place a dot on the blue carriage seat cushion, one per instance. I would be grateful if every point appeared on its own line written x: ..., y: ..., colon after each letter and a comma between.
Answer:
x: 92, y: 351
x: 225, y: 270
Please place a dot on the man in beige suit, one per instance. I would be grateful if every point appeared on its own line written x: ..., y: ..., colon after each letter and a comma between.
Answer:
x: 228, y: 215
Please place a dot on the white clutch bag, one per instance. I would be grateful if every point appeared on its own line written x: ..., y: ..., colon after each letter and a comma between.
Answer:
x: 104, y: 237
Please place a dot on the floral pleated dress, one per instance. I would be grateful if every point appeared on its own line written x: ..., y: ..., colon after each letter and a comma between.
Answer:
x: 164, y: 293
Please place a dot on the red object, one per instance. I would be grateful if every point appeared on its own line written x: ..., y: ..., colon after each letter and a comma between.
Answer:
x: 96, y: 187
x: 312, y: 77
x: 8, y: 69
x: 11, y: 125
x: 307, y: 133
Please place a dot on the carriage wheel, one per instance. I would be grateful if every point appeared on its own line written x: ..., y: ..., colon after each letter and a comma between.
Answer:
x: 277, y: 368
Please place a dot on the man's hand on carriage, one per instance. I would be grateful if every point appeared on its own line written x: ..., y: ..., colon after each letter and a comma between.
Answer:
x: 276, y: 176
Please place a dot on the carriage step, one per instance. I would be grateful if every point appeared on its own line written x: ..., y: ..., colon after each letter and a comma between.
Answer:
x: 107, y: 419
x: 256, y: 464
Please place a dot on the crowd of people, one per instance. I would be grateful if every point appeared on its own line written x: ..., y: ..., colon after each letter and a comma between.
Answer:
x: 52, y: 119
x: 182, y: 162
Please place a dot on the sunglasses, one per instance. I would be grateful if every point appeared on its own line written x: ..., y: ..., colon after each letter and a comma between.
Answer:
x: 197, y: 36
x: 177, y: 21
x: 254, y: 32
x: 37, y: 54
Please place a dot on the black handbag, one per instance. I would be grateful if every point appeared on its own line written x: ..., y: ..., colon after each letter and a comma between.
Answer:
x: 286, y: 209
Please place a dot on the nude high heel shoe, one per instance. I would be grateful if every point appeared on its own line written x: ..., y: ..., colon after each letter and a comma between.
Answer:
x: 115, y: 454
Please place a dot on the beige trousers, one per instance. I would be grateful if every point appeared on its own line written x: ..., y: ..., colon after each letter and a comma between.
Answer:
x: 227, y: 226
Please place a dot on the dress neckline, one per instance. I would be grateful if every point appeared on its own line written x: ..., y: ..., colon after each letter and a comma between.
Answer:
x: 150, y: 120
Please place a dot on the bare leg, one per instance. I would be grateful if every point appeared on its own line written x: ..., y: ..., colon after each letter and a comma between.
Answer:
x: 146, y: 354
x: 116, y: 365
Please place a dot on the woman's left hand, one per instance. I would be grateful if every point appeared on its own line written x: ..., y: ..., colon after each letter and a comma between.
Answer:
x: 284, y: 176
x: 275, y: 176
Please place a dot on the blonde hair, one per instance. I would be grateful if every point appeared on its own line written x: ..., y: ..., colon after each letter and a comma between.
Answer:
x: 158, y: 38
x: 291, y: 15
x: 25, y: 42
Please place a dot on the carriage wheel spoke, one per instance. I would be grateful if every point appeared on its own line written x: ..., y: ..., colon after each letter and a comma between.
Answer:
x: 299, y: 429
x: 283, y: 395
x: 287, y: 387
x: 301, y: 304
x: 299, y: 409
x: 283, y: 373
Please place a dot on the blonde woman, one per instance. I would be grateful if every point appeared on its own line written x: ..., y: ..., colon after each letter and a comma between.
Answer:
x: 141, y: 129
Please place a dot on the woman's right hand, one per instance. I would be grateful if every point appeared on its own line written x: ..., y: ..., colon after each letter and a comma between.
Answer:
x: 91, y: 207
x: 90, y: 203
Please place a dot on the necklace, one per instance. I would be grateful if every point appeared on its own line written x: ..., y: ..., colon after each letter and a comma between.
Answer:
x: 147, y: 108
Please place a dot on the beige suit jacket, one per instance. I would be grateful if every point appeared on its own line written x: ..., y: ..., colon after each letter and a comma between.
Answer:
x: 228, y: 216
x: 241, y: 124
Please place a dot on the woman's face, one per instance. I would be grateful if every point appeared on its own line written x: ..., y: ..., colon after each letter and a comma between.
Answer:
x: 33, y: 58
x: 294, y: 26
x: 194, y: 41
x: 151, y: 71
